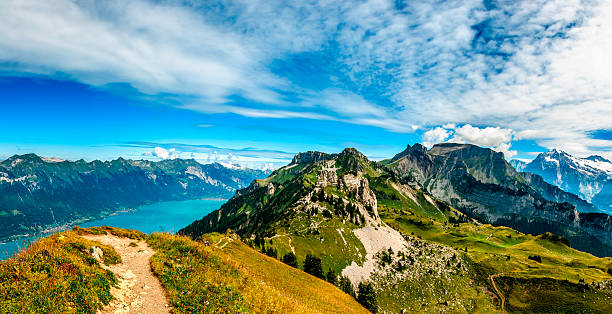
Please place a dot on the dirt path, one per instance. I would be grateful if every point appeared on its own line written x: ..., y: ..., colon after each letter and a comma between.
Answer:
x: 501, y: 296
x: 139, y: 290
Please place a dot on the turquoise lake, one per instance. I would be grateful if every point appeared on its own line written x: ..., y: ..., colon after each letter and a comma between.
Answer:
x: 164, y: 216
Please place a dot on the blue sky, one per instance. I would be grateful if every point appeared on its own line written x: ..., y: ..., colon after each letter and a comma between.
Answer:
x: 253, y: 82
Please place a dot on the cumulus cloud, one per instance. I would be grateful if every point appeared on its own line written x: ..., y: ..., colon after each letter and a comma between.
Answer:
x: 488, y: 136
x: 435, y: 136
x: 496, y: 138
x: 164, y: 153
x: 245, y: 157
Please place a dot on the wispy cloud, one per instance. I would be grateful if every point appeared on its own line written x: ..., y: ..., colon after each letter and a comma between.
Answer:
x: 537, y: 68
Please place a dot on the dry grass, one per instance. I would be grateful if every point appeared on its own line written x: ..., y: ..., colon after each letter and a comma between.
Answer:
x: 122, y: 233
x: 57, y: 274
x: 236, y: 278
x: 309, y: 292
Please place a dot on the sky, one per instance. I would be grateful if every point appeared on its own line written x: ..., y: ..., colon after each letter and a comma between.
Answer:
x: 254, y: 82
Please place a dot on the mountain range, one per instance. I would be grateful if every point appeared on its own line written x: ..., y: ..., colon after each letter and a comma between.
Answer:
x: 454, y: 228
x: 37, y: 192
x: 430, y: 229
x: 590, y: 177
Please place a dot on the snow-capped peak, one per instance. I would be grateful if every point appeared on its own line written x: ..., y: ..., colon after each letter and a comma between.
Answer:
x: 592, y: 165
x: 597, y: 158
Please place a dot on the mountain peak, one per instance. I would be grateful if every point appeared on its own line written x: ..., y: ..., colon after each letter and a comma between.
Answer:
x: 17, y: 159
x: 309, y: 156
x: 519, y: 165
x: 417, y: 147
x: 350, y: 151
x: 597, y: 158
x: 556, y: 152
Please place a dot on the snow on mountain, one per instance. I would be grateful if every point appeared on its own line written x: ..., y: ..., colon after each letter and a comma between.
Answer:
x: 597, y: 162
x: 590, y: 178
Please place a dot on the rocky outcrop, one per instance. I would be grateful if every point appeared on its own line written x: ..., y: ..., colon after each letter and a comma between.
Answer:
x: 359, y: 188
x: 480, y: 183
x: 555, y: 194
x: 310, y: 157
x: 328, y: 174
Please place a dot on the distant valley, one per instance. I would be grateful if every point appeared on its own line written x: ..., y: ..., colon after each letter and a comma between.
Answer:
x: 38, y: 193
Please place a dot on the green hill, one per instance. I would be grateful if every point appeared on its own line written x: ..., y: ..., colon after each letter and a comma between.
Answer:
x: 368, y: 224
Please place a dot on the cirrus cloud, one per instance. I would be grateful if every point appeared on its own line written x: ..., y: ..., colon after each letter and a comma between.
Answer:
x: 539, y: 68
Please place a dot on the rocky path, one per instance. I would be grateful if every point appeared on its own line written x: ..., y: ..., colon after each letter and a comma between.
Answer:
x: 139, y: 291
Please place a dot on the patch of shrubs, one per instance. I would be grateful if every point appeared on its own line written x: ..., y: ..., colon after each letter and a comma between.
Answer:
x: 270, y: 251
x: 312, y: 265
x: 290, y: 259
x: 555, y: 238
x: 366, y: 296
x: 536, y: 258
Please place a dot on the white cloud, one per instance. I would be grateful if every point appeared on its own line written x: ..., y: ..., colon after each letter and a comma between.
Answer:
x: 157, y: 48
x: 537, y: 67
x: 164, y: 153
x: 540, y: 68
x: 435, y: 136
x: 496, y: 138
x: 488, y: 136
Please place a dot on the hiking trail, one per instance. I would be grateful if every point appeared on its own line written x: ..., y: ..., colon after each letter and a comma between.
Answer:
x: 139, y: 290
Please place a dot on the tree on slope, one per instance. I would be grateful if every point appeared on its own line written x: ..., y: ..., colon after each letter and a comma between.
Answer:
x: 366, y: 296
x: 312, y: 265
x: 345, y: 285
x: 290, y: 259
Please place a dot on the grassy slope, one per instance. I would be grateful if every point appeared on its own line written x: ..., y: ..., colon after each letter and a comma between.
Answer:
x: 554, y: 284
x: 495, y: 255
x: 57, y: 275
x: 230, y: 276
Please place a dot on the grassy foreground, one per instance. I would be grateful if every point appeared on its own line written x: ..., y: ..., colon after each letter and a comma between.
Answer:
x: 229, y: 276
x: 57, y: 274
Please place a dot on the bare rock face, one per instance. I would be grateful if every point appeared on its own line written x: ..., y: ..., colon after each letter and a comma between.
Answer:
x: 310, y: 157
x: 360, y: 188
x: 327, y: 177
x: 271, y: 189
x: 480, y: 183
